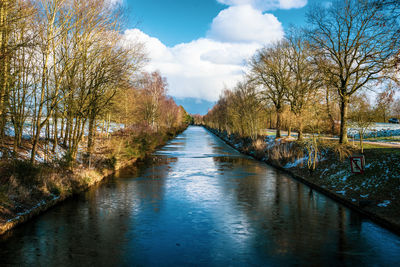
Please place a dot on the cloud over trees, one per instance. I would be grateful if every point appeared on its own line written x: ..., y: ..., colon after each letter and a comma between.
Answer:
x: 202, y: 68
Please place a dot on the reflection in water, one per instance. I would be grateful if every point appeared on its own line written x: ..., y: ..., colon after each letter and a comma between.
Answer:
x: 200, y: 202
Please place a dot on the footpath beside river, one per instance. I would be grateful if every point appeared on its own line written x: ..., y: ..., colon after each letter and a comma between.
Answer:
x: 197, y: 201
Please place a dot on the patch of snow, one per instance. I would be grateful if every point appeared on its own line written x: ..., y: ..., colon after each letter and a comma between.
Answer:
x: 377, y: 130
x: 341, y: 192
x: 344, y: 178
x: 325, y: 170
x: 38, y: 205
x: 295, y: 163
x: 364, y: 196
x: 342, y: 175
x: 39, y: 158
x: 384, y: 203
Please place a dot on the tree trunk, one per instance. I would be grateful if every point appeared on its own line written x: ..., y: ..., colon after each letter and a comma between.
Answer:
x: 90, y: 143
x: 4, y: 67
x: 329, y: 112
x: 19, y: 135
x: 270, y: 119
x: 278, y: 122
x: 300, y: 134
x: 384, y: 115
x: 62, y: 128
x: 55, y: 132
x: 69, y: 130
x: 44, y: 83
x: 79, y: 126
x: 343, y: 120
x: 108, y: 124
x: 34, y: 145
x: 361, y: 141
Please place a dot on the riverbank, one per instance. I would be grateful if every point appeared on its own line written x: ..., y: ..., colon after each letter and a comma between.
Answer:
x: 27, y: 190
x: 375, y: 193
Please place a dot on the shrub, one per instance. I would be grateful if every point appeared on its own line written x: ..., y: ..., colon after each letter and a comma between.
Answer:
x: 111, y: 162
x: 25, y: 171
x: 66, y: 161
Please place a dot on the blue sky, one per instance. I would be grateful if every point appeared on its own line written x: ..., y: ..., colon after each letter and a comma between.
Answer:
x: 178, y: 21
x: 201, y: 46
x: 173, y: 21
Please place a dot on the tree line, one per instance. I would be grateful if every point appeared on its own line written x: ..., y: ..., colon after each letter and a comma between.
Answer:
x: 64, y: 66
x: 317, y: 75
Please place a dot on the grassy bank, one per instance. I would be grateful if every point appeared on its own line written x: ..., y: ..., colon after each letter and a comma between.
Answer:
x: 375, y: 193
x: 27, y: 190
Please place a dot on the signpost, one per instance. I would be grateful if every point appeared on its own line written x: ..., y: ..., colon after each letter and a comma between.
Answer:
x: 357, y: 164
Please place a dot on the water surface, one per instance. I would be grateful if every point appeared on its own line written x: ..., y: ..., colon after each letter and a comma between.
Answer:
x: 199, y: 202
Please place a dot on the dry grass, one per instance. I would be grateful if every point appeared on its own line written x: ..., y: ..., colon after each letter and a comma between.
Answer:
x: 259, y: 147
x: 283, y: 152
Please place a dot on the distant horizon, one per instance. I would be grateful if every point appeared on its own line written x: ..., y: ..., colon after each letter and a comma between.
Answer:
x: 194, y: 106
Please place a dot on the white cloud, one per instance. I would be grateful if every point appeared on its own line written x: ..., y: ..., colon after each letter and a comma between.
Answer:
x: 267, y: 4
x: 115, y: 2
x: 198, y: 69
x: 204, y: 67
x: 245, y: 24
x: 154, y: 47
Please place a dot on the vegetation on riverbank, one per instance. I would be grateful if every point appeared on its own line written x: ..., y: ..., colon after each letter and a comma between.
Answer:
x: 376, y: 191
x: 75, y: 103
x: 28, y: 188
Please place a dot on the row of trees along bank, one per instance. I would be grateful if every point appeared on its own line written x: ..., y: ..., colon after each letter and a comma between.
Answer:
x: 311, y: 78
x: 64, y: 67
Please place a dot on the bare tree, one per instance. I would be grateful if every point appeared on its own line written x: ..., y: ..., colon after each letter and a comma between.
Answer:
x: 357, y: 42
x: 155, y: 89
x: 361, y: 117
x: 54, y: 24
x: 304, y: 79
x: 21, y: 62
x: 396, y: 108
x: 270, y: 69
x: 384, y: 102
x: 245, y: 109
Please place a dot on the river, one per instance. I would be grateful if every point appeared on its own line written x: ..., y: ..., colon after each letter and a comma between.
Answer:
x: 197, y: 201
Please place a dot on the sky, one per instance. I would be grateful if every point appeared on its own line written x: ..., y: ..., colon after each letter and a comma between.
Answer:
x: 202, y: 46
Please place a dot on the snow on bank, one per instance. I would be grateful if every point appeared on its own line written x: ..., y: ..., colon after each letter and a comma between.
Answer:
x: 59, y: 151
x: 297, y: 162
x: 26, y: 212
x: 27, y: 129
x: 384, y: 203
x: 377, y: 130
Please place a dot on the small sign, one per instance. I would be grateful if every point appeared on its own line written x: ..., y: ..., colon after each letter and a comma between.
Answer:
x: 357, y: 164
